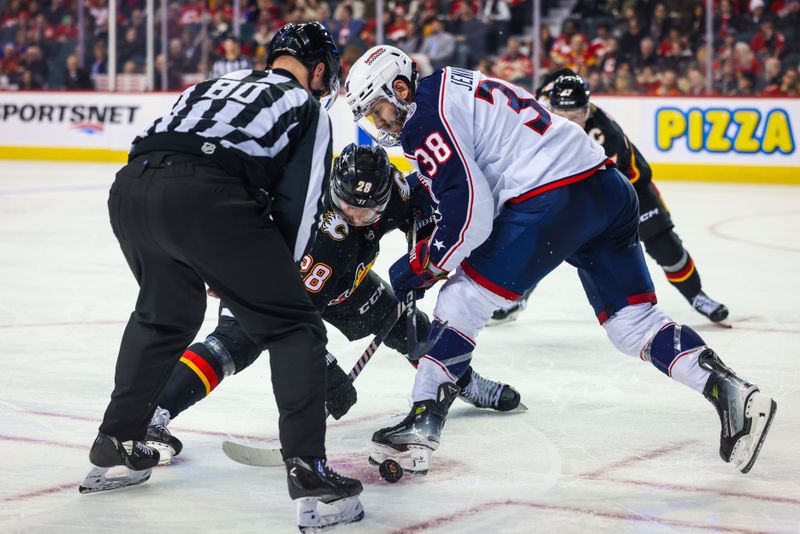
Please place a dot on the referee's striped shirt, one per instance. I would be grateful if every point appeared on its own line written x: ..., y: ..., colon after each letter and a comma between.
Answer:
x: 270, y: 123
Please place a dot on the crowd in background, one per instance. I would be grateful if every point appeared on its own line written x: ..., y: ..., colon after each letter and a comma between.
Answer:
x: 654, y: 47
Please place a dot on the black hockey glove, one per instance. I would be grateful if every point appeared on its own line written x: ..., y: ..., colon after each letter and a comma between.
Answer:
x: 341, y: 394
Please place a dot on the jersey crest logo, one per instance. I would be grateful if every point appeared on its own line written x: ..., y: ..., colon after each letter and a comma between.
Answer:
x: 597, y: 135
x: 412, y: 108
x: 402, y: 186
x: 208, y: 148
x: 334, y: 225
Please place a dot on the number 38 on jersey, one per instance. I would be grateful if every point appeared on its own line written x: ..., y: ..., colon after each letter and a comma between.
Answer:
x: 434, y: 152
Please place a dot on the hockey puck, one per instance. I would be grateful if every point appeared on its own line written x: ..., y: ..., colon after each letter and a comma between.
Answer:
x: 390, y: 471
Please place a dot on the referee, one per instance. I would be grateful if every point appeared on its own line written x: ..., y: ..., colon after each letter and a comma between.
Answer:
x: 226, y: 190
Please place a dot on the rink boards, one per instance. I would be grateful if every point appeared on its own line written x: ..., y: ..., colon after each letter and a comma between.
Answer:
x: 707, y: 139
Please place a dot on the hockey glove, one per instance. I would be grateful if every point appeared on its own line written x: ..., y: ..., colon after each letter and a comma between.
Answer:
x: 414, y: 271
x: 341, y: 395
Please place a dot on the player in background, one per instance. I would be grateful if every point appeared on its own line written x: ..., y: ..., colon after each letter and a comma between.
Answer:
x: 567, y: 94
x: 520, y: 191
x: 368, y: 197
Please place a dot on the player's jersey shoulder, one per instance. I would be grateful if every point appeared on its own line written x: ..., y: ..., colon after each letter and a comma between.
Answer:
x: 334, y: 226
x: 605, y: 130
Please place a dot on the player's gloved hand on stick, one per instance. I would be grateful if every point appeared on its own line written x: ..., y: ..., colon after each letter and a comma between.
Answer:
x: 415, y: 272
x: 341, y: 395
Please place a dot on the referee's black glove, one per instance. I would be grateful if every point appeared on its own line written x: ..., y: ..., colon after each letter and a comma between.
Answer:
x: 341, y: 394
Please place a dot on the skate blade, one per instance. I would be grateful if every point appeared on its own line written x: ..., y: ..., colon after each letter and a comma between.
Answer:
x: 315, y: 516
x: 415, y: 461
x: 761, y: 411
x: 96, y: 480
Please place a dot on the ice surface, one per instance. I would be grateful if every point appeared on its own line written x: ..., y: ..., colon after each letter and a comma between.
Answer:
x: 609, y: 444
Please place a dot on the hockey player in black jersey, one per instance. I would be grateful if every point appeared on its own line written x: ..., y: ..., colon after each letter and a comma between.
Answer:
x: 567, y: 94
x: 367, y: 198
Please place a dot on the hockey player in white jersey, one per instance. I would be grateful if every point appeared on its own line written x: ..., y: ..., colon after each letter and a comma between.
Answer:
x: 520, y: 191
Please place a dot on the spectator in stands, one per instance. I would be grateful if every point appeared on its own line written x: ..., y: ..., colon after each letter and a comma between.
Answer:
x: 561, y: 49
x: 754, y: 18
x: 514, y: 66
x: 33, y: 62
x: 745, y: 84
x: 580, y: 55
x: 767, y: 42
x: 623, y: 81
x: 100, y: 61
x: 610, y: 59
x: 629, y: 42
x: 66, y: 30
x: 55, y: 12
x: 76, y: 77
x: 726, y: 83
x: 599, y: 44
x: 659, y: 23
x: 231, y: 60
x: 27, y: 81
x: 790, y: 83
x: 596, y: 84
x: 439, y: 46
x: 675, y: 51
x: 470, y: 35
x: 497, y: 14
x: 345, y: 27
x: 132, y: 47
x: 5, y: 82
x: 745, y: 60
x: 174, y: 81
x: 696, y: 82
x: 669, y: 84
x: 130, y: 67
x: 647, y: 81
x: 772, y: 76
x: 11, y: 61
x: 727, y: 22
x: 647, y: 56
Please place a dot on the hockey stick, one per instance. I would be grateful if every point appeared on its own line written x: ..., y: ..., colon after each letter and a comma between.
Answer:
x: 270, y: 457
x: 411, y: 300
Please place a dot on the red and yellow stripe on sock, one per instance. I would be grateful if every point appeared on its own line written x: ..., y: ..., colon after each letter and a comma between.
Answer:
x: 201, y: 368
x: 683, y: 274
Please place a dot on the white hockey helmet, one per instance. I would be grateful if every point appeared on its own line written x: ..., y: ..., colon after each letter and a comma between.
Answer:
x: 370, y: 81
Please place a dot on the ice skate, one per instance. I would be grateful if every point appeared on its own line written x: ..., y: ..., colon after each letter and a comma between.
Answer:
x: 412, y: 441
x: 312, y: 482
x: 709, y: 307
x: 484, y: 393
x: 510, y: 312
x: 745, y: 413
x: 162, y: 439
x: 108, y: 452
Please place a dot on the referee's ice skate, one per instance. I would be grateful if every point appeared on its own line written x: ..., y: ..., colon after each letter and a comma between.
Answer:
x: 412, y: 441
x: 745, y: 413
x: 312, y: 482
x: 161, y: 439
x: 108, y: 452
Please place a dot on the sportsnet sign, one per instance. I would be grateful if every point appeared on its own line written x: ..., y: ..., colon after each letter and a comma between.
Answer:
x: 76, y: 121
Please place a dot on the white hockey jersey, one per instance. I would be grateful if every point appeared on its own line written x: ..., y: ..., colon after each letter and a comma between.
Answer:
x: 479, y: 142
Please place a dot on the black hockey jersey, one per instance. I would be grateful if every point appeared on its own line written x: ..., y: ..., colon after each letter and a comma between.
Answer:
x: 343, y: 254
x: 617, y: 146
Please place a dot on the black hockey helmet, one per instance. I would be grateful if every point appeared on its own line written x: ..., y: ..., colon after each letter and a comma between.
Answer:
x: 361, y: 183
x: 569, y: 92
x: 310, y: 43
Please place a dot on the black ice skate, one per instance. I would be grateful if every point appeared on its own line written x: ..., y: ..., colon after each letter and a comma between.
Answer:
x: 709, y: 307
x: 160, y: 438
x: 484, y: 393
x: 510, y: 313
x: 312, y: 481
x: 108, y: 452
x: 418, y: 434
x: 745, y: 413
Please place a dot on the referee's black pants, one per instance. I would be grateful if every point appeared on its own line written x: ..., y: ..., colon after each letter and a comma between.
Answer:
x: 182, y: 223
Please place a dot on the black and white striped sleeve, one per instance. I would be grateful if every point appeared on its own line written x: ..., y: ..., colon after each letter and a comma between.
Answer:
x: 300, y: 190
